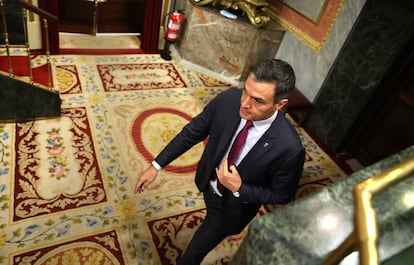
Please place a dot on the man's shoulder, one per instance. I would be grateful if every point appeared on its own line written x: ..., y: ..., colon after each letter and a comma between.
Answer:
x: 232, y: 91
x: 232, y: 94
x: 289, y: 130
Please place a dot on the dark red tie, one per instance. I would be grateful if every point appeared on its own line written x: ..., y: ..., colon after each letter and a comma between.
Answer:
x: 238, y: 143
x: 236, y: 147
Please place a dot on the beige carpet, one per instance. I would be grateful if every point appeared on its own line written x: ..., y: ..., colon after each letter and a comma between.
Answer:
x: 100, y: 41
x: 66, y: 184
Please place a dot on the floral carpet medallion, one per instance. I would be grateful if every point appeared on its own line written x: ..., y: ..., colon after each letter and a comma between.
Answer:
x: 56, y: 167
x: 67, y: 183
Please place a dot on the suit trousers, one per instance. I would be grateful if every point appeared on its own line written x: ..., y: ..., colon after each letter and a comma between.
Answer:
x: 208, y: 235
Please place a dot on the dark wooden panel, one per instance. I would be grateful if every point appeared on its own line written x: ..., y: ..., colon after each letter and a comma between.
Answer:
x: 121, y: 16
x: 394, y: 133
x: 112, y: 16
x: 76, y: 16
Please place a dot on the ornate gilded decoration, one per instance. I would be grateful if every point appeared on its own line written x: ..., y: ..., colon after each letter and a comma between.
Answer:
x: 252, y: 8
x: 313, y: 33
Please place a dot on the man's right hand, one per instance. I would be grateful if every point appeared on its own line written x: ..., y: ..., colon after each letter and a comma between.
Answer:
x: 146, y: 178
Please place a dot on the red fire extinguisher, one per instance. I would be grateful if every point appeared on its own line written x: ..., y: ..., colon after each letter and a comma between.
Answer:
x: 175, y: 21
x: 174, y: 24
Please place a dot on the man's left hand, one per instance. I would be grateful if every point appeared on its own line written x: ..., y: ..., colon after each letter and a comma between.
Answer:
x: 229, y: 177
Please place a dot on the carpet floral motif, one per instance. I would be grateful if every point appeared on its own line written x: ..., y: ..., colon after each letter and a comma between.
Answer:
x: 67, y: 78
x: 120, y: 77
x: 56, y: 168
x: 171, y: 234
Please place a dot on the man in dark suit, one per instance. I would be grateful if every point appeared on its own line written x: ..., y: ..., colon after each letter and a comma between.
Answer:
x: 266, y: 170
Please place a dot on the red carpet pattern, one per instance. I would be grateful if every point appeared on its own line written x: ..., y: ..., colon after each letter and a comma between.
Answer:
x: 67, y: 184
x: 149, y: 141
x: 103, y: 248
x: 171, y: 234
x: 56, y: 167
x: 120, y: 77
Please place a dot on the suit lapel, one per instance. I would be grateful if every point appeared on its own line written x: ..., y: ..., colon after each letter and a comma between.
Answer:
x: 263, y: 145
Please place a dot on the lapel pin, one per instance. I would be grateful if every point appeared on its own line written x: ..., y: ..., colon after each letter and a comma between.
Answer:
x: 265, y: 144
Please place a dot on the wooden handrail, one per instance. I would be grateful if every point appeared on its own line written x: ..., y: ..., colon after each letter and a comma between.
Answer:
x: 42, y: 13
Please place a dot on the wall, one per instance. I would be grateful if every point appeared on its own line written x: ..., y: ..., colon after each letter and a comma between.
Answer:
x: 311, y: 67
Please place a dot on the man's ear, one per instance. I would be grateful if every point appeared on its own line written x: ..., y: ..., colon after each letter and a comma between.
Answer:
x: 281, y: 104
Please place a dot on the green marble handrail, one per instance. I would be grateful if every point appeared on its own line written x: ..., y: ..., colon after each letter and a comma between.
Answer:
x: 365, y: 235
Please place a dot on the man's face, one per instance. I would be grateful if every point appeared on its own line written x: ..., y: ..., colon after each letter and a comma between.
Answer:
x: 256, y: 102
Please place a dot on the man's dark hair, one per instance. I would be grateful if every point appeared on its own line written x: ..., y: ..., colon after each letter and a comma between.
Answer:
x: 278, y: 72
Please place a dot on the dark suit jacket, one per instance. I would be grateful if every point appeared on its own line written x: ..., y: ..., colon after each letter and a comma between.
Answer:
x: 270, y: 171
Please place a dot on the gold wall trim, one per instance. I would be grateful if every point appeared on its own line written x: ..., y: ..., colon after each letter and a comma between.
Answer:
x: 313, y: 33
x: 315, y: 45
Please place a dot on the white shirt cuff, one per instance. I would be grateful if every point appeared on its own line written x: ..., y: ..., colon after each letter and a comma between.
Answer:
x: 156, y: 165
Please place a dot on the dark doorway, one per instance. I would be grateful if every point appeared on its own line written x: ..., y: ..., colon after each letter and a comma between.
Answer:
x: 101, y: 16
x: 149, y: 31
x: 386, y: 124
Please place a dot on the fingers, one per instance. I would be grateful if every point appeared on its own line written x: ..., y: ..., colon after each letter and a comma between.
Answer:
x: 139, y: 187
x: 228, y: 177
x: 225, y: 163
x: 145, y: 179
x: 233, y: 169
x: 142, y: 184
x: 222, y: 169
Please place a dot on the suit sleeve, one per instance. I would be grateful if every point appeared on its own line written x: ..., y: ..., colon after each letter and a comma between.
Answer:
x: 191, y: 134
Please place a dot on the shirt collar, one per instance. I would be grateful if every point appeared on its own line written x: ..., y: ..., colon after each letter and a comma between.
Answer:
x: 263, y: 124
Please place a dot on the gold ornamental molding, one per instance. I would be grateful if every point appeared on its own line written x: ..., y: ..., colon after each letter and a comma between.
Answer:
x: 252, y: 8
x: 313, y: 31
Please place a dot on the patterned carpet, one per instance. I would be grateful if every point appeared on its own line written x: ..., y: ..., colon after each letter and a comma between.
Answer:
x: 66, y: 184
